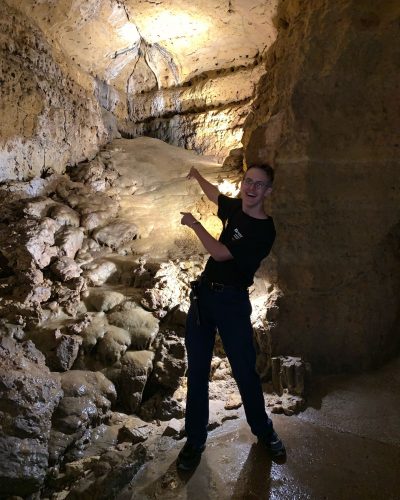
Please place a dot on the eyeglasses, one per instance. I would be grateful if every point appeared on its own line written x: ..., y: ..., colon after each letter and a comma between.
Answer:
x: 257, y: 184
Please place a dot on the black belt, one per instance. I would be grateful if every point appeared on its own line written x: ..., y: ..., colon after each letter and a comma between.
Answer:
x: 220, y: 287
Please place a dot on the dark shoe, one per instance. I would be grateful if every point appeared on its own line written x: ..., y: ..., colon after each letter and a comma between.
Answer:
x: 189, y: 457
x: 273, y: 444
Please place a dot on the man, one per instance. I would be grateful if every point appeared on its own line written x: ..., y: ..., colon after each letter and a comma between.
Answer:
x: 221, y: 301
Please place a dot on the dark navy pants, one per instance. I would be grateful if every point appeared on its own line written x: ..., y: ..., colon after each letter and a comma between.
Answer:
x: 228, y: 311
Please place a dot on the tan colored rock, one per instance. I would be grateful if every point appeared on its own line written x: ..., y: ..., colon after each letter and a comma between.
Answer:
x: 104, y: 300
x: 141, y: 324
x: 100, y: 271
x: 38, y: 207
x: 29, y: 395
x: 64, y: 215
x: 325, y: 117
x: 170, y: 360
x: 94, y: 331
x: 113, y: 345
x: 66, y: 268
x: 234, y: 402
x: 69, y: 241
x: 44, y: 107
x: 116, y: 233
x: 30, y: 243
x: 135, y: 369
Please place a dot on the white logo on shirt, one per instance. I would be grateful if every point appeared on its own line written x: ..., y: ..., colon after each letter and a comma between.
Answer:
x: 236, y: 234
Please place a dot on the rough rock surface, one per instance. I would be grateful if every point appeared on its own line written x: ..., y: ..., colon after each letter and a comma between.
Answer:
x: 29, y: 393
x: 44, y: 106
x: 141, y: 324
x: 135, y: 369
x: 327, y: 118
x: 87, y: 399
x: 136, y: 67
x: 118, y: 344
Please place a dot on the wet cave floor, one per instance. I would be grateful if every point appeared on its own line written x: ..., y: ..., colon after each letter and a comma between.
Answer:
x: 346, y: 445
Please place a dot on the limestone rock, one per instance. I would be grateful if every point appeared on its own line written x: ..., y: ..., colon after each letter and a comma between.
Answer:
x: 116, y: 233
x: 68, y: 294
x: 174, y: 428
x: 97, y: 483
x: 88, y: 397
x: 135, y: 369
x: 104, y: 300
x: 167, y: 290
x: 169, y: 361
x: 141, y: 324
x: 343, y: 292
x: 94, y: 331
x: 113, y: 345
x: 30, y: 243
x: 28, y: 396
x: 66, y: 269
x: 38, y: 207
x: 69, y: 240
x: 96, y: 174
x: 60, y: 349
x: 64, y: 215
x: 44, y: 105
x: 100, y: 271
x: 234, y: 402
x: 163, y: 407
x: 133, y: 433
x: 286, y: 403
x: 289, y: 373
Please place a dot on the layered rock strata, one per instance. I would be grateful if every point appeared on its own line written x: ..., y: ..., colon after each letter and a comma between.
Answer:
x: 49, y: 119
x: 181, y: 73
x: 326, y: 116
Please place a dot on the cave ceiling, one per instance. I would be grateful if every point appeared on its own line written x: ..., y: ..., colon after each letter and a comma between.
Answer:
x: 177, y: 39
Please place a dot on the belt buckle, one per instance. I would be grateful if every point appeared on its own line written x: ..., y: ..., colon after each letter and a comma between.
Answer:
x: 217, y: 287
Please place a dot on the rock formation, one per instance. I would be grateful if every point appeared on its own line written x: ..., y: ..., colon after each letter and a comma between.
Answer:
x: 94, y: 265
x: 104, y: 309
x: 325, y: 115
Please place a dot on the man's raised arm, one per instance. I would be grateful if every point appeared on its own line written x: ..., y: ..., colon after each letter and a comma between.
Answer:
x: 209, y: 189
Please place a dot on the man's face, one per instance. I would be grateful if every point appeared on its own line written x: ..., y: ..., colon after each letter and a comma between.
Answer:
x: 255, y: 187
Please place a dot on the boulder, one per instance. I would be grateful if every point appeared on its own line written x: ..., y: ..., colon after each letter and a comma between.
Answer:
x: 104, y: 300
x: 169, y: 361
x: 141, y: 324
x: 59, y: 349
x: 29, y: 393
x: 66, y: 269
x: 116, y: 233
x: 69, y: 241
x: 94, y: 331
x: 29, y: 243
x: 113, y: 345
x: 135, y: 369
x: 163, y: 407
x: 64, y: 215
x: 100, y: 271
x: 37, y: 207
x: 88, y: 397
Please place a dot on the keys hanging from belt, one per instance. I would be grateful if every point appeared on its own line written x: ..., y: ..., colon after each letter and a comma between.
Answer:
x: 194, y: 285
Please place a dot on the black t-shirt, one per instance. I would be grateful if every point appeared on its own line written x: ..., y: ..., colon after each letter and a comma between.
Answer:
x: 248, y: 239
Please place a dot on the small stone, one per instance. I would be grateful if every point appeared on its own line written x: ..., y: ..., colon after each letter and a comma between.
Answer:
x: 174, y: 428
x: 234, y: 402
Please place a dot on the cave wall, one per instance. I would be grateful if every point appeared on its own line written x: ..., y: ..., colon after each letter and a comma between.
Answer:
x: 179, y: 72
x: 327, y: 116
x: 48, y: 119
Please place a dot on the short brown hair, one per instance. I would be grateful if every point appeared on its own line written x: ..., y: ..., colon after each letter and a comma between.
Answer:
x: 267, y: 169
